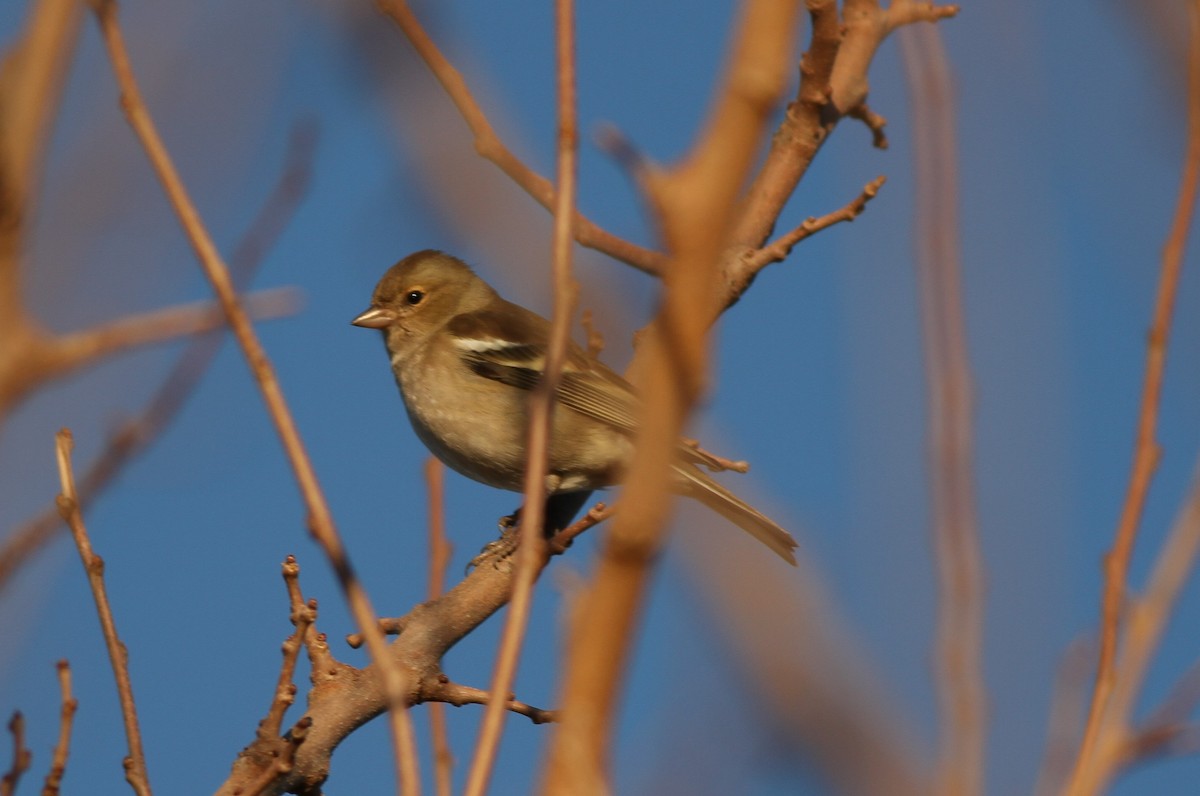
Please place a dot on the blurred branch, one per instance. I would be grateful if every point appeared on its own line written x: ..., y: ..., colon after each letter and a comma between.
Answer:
x: 21, y: 756
x: 962, y: 695
x: 320, y: 519
x: 541, y: 408
x: 1102, y: 735
x: 1069, y: 700
x: 440, y: 551
x: 813, y: 690
x: 135, y: 434
x: 33, y: 357
x: 93, y: 566
x: 1118, y: 742
x: 343, y: 697
x: 694, y: 199
x: 489, y: 145
x: 31, y: 80
x: 58, y: 763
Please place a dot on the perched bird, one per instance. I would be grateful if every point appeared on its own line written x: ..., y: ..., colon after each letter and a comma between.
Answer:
x: 465, y: 360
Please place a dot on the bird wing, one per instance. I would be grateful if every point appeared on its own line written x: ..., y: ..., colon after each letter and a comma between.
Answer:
x: 510, y: 347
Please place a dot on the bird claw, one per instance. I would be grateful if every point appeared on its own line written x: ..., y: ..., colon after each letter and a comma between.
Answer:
x: 501, y: 549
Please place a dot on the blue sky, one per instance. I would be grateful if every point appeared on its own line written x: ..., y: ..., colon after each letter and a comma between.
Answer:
x: 1071, y: 136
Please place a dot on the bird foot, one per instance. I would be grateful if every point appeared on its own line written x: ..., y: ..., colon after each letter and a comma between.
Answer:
x: 501, y: 550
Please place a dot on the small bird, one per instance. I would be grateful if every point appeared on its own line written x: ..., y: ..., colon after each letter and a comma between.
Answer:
x: 465, y: 361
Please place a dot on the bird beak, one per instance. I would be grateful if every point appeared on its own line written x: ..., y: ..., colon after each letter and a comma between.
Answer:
x: 375, y: 318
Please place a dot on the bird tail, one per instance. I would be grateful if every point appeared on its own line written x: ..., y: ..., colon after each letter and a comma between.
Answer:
x: 698, y: 485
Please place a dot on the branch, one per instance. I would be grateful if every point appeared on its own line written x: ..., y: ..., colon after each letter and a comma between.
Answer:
x: 35, y: 357
x: 303, y: 617
x: 962, y: 697
x: 1146, y: 452
x: 33, y: 74
x: 58, y: 763
x: 833, y: 84
x: 459, y: 695
x: 541, y: 411
x: 694, y: 200
x: 320, y: 519
x: 93, y: 565
x: 344, y: 698
x: 1117, y: 746
x: 489, y: 145
x: 21, y: 755
x: 440, y: 551
x: 781, y: 247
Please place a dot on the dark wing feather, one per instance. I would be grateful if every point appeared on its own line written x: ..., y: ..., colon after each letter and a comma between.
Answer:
x: 510, y: 347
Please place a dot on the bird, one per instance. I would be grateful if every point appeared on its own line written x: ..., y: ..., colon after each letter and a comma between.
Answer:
x: 465, y: 361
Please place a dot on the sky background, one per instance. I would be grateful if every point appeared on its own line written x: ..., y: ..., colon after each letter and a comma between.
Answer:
x: 1070, y: 143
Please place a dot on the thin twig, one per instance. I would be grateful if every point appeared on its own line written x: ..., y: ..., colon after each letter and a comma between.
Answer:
x: 596, y: 515
x: 595, y: 340
x: 778, y: 249
x: 459, y: 695
x: 21, y: 756
x: 39, y: 357
x: 389, y: 626
x: 541, y: 412
x: 33, y: 73
x: 118, y: 656
x: 1117, y: 745
x: 1146, y: 452
x: 440, y: 551
x: 344, y: 698
x: 874, y: 122
x: 58, y: 762
x: 320, y: 519
x: 962, y: 696
x: 1062, y: 725
x: 833, y: 84
x: 696, y: 199
x: 302, y: 616
x: 489, y: 146
x: 283, y: 763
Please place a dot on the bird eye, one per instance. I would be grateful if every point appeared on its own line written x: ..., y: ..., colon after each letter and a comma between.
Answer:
x: 415, y: 297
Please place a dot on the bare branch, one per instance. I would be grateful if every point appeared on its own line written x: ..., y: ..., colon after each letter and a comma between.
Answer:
x: 874, y: 122
x: 459, y: 695
x: 320, y: 519
x: 489, y: 146
x: 694, y: 199
x: 303, y: 616
x: 93, y: 565
x: 21, y: 756
x: 343, y: 698
x: 833, y: 84
x: 781, y: 247
x: 962, y: 698
x: 541, y: 410
x: 595, y: 515
x: 32, y: 78
x: 58, y: 763
x: 1090, y: 769
x: 440, y: 551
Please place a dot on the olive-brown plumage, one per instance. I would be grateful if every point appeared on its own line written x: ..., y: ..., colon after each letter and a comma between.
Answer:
x: 465, y: 360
